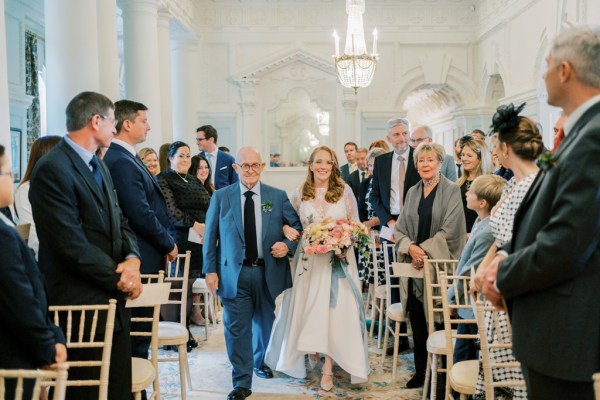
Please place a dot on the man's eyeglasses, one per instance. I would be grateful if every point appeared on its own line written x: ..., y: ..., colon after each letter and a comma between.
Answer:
x: 247, y: 167
x: 106, y: 117
x: 417, y: 140
x: 200, y: 139
x: 9, y: 173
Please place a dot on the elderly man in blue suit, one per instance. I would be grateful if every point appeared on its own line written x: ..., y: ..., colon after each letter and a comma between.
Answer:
x: 221, y: 163
x: 246, y: 258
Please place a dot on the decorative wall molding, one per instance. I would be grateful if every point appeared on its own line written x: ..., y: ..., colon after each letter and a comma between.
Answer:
x: 285, y: 16
x: 257, y: 72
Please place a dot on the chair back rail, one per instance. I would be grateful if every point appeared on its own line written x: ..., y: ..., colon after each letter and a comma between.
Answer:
x: 433, y: 297
x: 42, y: 379
x: 88, y: 335
x: 501, y: 341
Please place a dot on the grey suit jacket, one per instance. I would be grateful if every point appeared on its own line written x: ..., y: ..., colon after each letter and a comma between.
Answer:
x: 552, y: 277
x: 449, y: 168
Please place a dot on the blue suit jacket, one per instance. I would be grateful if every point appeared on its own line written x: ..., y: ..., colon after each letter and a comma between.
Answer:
x: 449, y: 168
x: 143, y: 205
x: 224, y: 173
x: 345, y: 171
x: 224, y: 246
x: 28, y: 336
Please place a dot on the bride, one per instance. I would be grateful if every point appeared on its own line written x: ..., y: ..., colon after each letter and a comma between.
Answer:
x: 307, y: 323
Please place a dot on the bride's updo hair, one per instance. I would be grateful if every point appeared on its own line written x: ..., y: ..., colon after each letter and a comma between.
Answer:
x: 335, y: 189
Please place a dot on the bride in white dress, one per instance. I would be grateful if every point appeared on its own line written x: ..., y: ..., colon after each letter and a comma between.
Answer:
x: 307, y: 323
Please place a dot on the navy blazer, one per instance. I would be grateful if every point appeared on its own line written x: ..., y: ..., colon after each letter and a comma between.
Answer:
x: 224, y: 173
x: 551, y: 279
x: 381, y: 184
x: 345, y: 171
x: 143, y: 205
x: 28, y: 335
x: 83, y: 234
x: 224, y: 244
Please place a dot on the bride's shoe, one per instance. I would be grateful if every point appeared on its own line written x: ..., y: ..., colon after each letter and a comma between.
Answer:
x: 313, y: 360
x: 326, y: 381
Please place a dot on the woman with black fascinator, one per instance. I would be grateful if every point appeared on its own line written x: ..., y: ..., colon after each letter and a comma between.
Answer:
x: 519, y: 144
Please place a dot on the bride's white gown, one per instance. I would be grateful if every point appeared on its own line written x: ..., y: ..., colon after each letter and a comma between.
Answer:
x: 306, y: 323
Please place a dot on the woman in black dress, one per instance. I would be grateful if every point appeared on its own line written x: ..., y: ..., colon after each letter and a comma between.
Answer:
x: 187, y: 201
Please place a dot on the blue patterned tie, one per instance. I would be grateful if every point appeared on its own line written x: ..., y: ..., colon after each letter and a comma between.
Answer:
x: 94, y: 163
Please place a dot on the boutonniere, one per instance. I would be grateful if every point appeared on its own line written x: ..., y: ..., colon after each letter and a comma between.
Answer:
x: 547, y: 160
x: 266, y: 206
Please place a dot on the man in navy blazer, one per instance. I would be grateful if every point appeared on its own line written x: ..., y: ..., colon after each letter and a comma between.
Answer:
x: 221, y: 163
x: 248, y: 278
x: 141, y: 199
x: 350, y: 149
x: 88, y: 253
x: 550, y: 272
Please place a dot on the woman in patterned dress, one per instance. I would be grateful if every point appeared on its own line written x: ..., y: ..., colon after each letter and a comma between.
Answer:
x: 187, y: 201
x: 365, y: 266
x: 518, y: 146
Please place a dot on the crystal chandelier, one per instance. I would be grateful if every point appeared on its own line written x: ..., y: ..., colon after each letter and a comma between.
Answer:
x: 355, y: 68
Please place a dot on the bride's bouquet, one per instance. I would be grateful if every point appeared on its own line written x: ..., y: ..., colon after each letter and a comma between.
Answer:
x: 335, y: 235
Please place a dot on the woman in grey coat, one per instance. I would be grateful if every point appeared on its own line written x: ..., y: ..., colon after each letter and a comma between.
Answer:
x: 432, y: 224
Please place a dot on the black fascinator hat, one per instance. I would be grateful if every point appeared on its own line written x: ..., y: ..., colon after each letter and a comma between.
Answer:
x: 506, y: 118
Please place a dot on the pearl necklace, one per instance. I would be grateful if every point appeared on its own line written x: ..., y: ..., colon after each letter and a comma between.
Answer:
x: 431, y: 181
x: 182, y: 178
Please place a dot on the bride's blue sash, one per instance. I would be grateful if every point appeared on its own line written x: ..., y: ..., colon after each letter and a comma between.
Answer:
x: 339, y: 270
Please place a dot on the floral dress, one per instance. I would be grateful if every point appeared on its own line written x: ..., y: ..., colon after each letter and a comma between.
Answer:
x: 501, y: 224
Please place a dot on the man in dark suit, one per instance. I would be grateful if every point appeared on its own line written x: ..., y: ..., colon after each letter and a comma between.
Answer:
x: 550, y: 272
x: 358, y: 177
x: 221, y: 163
x: 88, y: 253
x: 246, y: 258
x: 348, y: 168
x: 141, y: 200
x: 389, y: 187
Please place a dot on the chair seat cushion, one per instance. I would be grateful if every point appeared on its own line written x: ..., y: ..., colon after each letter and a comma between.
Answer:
x: 396, y: 312
x: 463, y: 376
x: 171, y: 333
x: 381, y: 292
x: 436, y: 342
x: 199, y: 286
x: 143, y: 374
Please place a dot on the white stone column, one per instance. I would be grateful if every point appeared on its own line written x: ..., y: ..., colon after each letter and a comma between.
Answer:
x: 108, y: 52
x: 184, y: 84
x: 4, y: 108
x: 250, y: 120
x: 141, y: 59
x: 72, y: 57
x: 351, y: 134
x: 164, y: 58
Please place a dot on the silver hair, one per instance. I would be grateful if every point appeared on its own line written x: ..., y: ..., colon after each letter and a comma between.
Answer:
x: 244, y: 149
x: 426, y: 129
x: 375, y: 152
x: 398, y: 121
x: 580, y: 46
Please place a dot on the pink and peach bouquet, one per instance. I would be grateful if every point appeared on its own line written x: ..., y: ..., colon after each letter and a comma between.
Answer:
x: 335, y: 235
